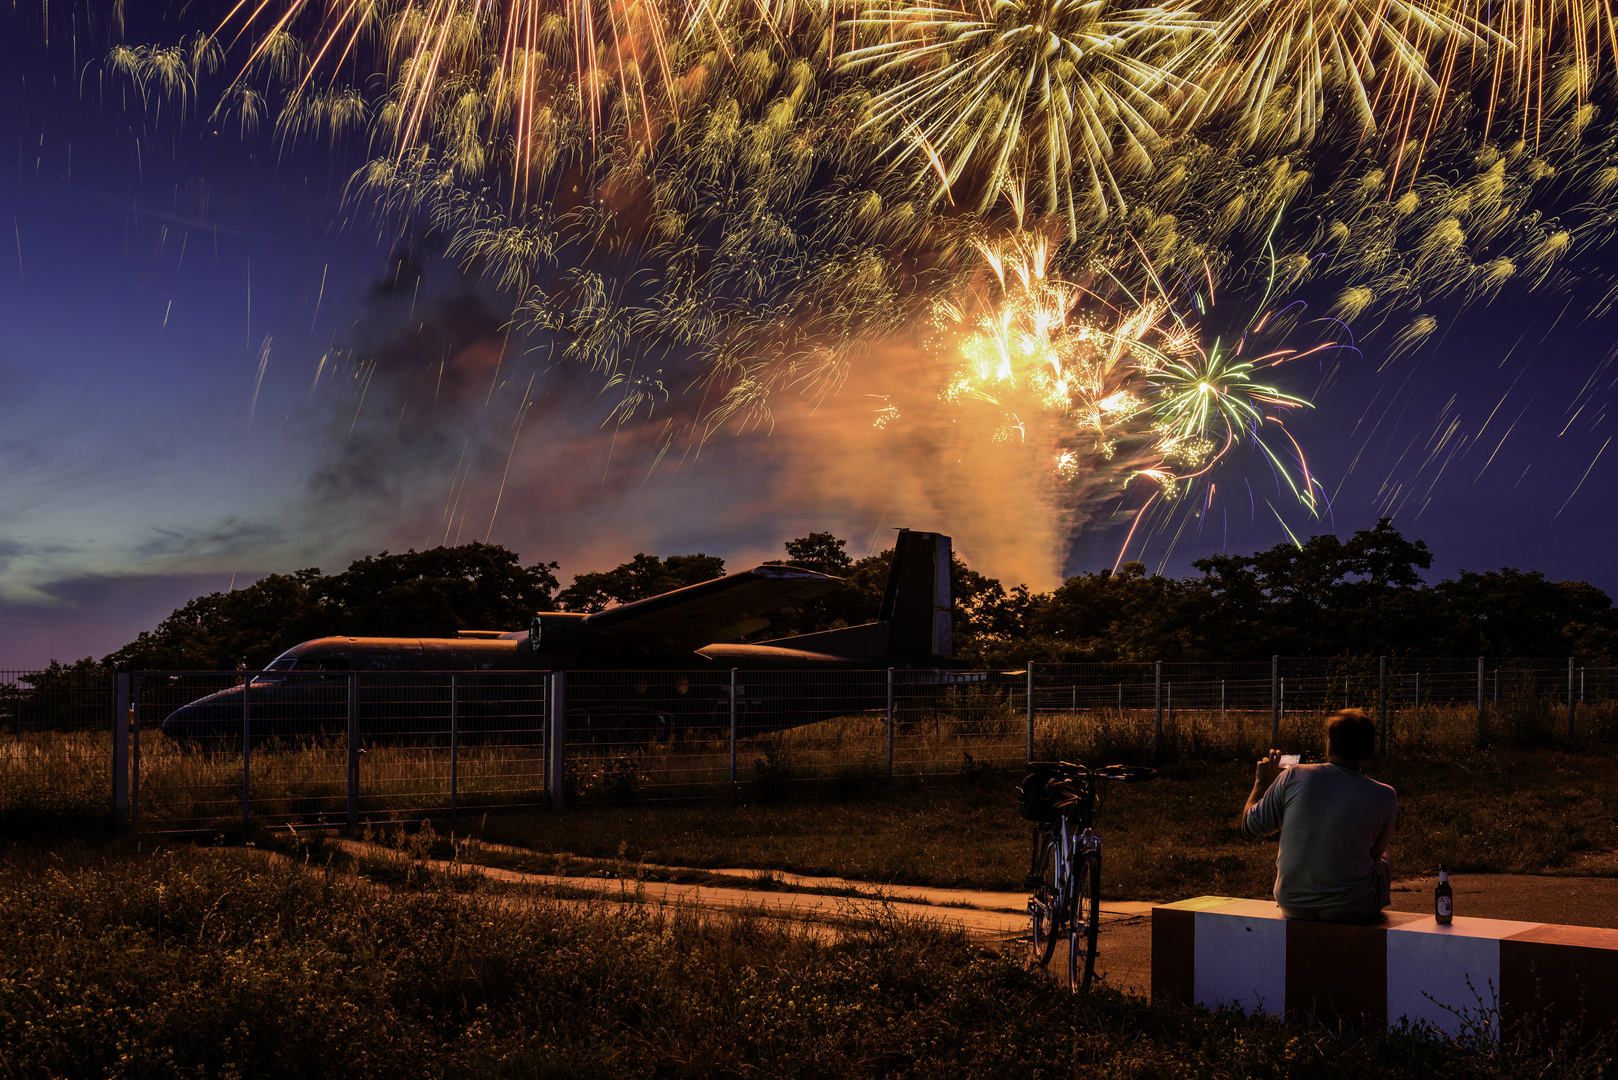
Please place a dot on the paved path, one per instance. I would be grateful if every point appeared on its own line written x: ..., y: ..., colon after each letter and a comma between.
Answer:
x: 992, y: 915
x: 1125, y: 946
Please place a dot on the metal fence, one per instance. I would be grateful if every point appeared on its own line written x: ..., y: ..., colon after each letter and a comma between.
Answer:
x: 339, y: 747
x: 55, y: 742
x: 648, y: 735
x: 1171, y: 709
x: 179, y: 750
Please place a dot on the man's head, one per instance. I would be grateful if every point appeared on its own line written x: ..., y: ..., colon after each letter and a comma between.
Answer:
x: 1350, y: 736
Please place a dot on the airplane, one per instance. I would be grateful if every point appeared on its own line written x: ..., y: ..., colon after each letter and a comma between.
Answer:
x: 661, y: 665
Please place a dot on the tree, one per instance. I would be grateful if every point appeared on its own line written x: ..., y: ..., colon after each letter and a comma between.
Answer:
x: 222, y: 630
x: 63, y: 696
x: 1386, y: 559
x: 431, y: 593
x: 439, y: 592
x: 990, y: 621
x: 1102, y: 615
x: 1323, y: 597
x: 821, y: 552
x: 643, y: 576
x: 1363, y: 596
x: 1507, y: 612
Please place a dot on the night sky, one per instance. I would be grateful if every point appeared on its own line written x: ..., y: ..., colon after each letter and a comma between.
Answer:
x: 181, y: 407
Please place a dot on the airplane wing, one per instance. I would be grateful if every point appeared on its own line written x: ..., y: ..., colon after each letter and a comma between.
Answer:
x: 722, y: 610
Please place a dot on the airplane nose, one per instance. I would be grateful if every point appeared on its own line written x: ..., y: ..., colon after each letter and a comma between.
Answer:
x: 210, y: 717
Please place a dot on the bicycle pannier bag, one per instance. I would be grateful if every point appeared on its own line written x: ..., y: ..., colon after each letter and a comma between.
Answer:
x: 1034, y: 802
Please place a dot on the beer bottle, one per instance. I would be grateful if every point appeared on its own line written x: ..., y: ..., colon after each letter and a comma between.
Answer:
x: 1443, y: 897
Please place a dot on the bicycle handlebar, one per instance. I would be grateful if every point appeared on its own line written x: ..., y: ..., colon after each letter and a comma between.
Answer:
x: 1129, y: 774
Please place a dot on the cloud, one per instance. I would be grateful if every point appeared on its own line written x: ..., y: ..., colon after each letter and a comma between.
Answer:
x: 13, y: 550
x: 95, y: 614
x: 230, y: 538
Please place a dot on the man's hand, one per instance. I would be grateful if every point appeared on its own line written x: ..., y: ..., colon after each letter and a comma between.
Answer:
x: 1268, y: 768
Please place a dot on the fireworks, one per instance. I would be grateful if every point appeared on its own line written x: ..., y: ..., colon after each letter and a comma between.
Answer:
x: 713, y: 204
x: 1111, y: 387
x: 1039, y: 89
x: 1272, y: 69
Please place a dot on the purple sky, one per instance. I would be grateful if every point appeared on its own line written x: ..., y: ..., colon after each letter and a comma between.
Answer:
x: 179, y: 407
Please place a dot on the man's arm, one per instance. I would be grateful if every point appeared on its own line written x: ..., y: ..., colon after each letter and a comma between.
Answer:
x: 1268, y: 768
x: 1385, y: 834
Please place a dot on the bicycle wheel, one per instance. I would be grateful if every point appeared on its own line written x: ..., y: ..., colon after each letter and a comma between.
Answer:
x: 1084, y: 921
x: 1043, y: 911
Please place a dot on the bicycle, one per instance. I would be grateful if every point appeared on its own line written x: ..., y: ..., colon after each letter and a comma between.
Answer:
x: 1061, y: 797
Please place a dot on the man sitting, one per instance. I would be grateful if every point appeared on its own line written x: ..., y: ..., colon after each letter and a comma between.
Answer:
x: 1335, y: 823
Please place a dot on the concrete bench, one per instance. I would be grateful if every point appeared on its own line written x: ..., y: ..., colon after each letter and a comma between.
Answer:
x: 1468, y: 977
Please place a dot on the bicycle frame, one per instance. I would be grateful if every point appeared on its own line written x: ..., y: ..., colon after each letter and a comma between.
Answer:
x: 1069, y: 846
x: 1067, y: 863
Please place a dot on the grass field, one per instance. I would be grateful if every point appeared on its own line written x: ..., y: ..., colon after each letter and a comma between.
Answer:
x: 1534, y: 811
x: 130, y: 956
x: 813, y: 803
x: 131, y: 959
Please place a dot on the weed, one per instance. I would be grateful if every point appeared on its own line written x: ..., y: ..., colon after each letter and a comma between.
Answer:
x: 774, y: 770
x: 190, y: 962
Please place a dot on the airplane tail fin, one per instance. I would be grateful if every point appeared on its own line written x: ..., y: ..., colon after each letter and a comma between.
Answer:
x: 916, y: 625
x: 918, y: 605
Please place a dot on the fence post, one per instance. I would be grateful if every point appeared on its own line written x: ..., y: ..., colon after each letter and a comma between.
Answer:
x: 353, y: 749
x: 1221, y: 701
x: 1481, y: 728
x: 1275, y: 699
x: 558, y: 762
x: 134, y: 747
x: 1497, y: 688
x: 733, y: 731
x: 120, y: 746
x: 1572, y: 706
x: 1382, y: 703
x: 247, y: 743
x: 890, y: 729
x: 454, y: 740
x: 1030, y: 710
x: 545, y: 738
x: 1157, y: 725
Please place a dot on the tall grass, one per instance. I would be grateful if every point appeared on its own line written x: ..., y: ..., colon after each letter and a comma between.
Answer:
x: 1107, y: 735
x: 1477, y: 811
x: 172, y: 962
x: 65, y: 776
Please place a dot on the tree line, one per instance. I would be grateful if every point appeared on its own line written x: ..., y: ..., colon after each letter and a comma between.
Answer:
x: 1326, y: 597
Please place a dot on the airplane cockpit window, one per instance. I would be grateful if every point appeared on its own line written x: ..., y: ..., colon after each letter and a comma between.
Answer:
x: 285, y: 663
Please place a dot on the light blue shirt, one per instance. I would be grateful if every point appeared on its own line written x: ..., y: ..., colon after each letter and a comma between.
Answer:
x: 1335, y: 823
